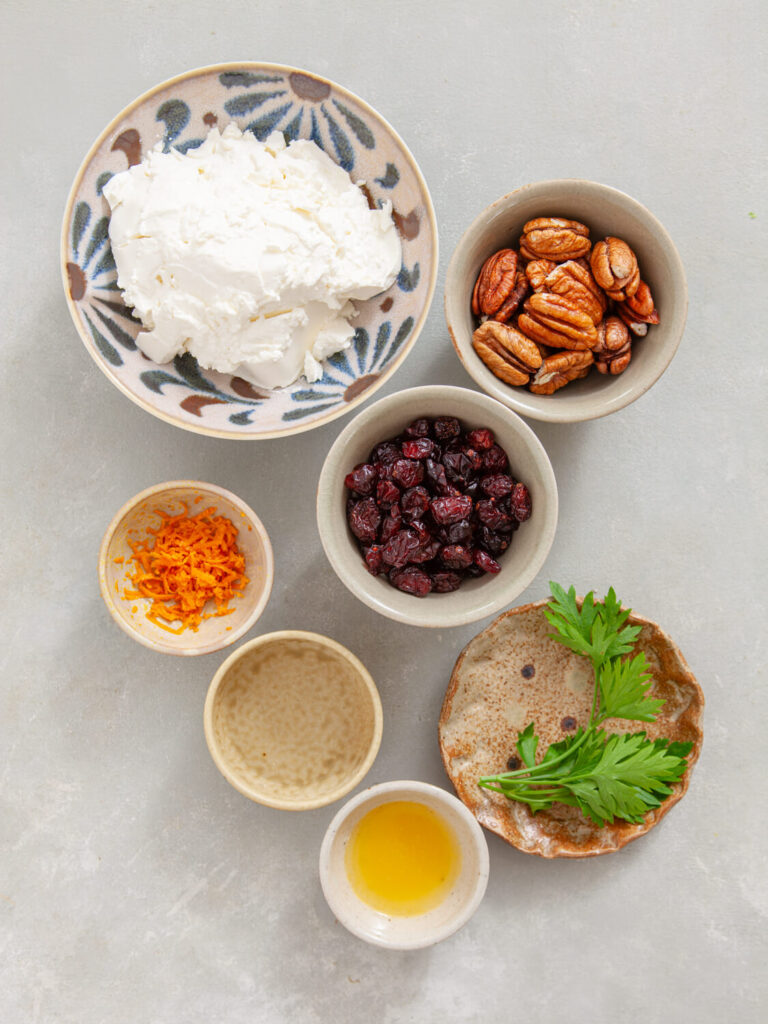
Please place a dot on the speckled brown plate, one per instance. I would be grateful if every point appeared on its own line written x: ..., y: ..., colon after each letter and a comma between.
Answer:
x: 512, y: 674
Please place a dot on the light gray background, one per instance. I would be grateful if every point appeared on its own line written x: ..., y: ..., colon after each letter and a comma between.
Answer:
x: 135, y: 884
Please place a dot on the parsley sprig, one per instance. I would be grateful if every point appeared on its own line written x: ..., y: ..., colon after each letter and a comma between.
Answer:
x: 605, y: 775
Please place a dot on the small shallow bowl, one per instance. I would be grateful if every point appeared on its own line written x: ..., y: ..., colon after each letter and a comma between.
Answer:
x: 423, y: 929
x: 259, y: 98
x: 511, y: 674
x: 477, y: 597
x: 131, y: 522
x: 293, y: 720
x: 605, y: 211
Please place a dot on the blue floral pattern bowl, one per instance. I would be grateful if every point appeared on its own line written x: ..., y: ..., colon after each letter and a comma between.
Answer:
x: 260, y: 98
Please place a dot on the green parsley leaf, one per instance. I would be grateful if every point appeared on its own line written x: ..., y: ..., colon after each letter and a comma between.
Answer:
x: 623, y: 689
x: 527, y: 742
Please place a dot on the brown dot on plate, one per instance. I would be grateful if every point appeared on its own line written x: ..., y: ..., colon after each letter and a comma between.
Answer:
x: 513, y: 764
x: 527, y: 671
x: 387, y: 304
x: 568, y: 724
x: 210, y: 119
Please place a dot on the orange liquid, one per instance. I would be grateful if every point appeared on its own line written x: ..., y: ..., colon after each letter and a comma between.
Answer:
x: 402, y: 858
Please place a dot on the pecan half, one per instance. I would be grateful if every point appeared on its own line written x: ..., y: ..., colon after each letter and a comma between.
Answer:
x: 555, y: 321
x: 615, y: 268
x: 507, y: 353
x: 613, y: 350
x: 495, y: 282
x: 516, y: 296
x: 558, y: 370
x: 536, y: 271
x: 552, y: 238
x: 639, y: 308
x: 573, y: 280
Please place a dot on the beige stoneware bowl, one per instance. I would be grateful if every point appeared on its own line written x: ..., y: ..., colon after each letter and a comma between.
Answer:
x: 512, y: 674
x: 293, y: 720
x: 131, y: 522
x: 606, y: 211
x: 423, y: 929
x: 477, y: 597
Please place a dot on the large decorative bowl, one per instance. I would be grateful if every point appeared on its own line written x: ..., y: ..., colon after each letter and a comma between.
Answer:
x: 260, y: 98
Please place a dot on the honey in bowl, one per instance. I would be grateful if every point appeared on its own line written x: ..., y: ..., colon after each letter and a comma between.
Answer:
x: 402, y: 858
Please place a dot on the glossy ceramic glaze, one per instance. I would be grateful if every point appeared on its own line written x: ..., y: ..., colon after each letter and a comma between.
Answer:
x: 512, y: 674
x: 477, y: 597
x: 420, y: 930
x: 293, y: 720
x: 130, y: 523
x: 259, y: 98
x: 605, y: 211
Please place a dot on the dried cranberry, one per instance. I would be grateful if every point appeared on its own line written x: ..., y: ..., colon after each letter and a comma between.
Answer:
x: 474, y: 458
x: 361, y: 479
x: 411, y: 580
x: 397, y: 551
x: 495, y: 459
x: 426, y: 552
x: 415, y: 503
x: 472, y: 489
x: 521, y: 504
x: 446, y: 427
x: 456, y: 556
x: 482, y: 438
x: 385, y: 452
x: 373, y: 559
x: 493, y: 542
x: 436, y: 476
x: 422, y: 530
x: 421, y: 448
x: 365, y: 519
x: 458, y: 467
x: 497, y: 485
x: 445, y: 582
x: 450, y: 510
x: 484, y: 561
x: 490, y: 515
x: 458, y: 533
x: 419, y: 428
x: 387, y: 493
x: 391, y: 524
x: 407, y: 472
x: 383, y: 470
x: 474, y: 570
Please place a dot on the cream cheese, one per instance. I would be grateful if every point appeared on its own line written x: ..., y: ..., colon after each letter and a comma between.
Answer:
x: 247, y: 254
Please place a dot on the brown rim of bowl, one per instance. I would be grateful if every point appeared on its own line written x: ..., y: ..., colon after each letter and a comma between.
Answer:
x: 298, y: 428
x: 678, y: 793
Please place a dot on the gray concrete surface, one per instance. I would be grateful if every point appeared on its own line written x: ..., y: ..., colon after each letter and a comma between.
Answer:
x: 135, y: 884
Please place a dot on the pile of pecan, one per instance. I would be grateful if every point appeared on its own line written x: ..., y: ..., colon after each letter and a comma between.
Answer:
x: 558, y: 306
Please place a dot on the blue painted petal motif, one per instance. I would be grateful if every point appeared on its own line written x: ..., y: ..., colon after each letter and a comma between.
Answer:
x: 101, y: 181
x: 382, y: 338
x: 315, y: 135
x: 358, y: 126
x: 99, y: 236
x: 340, y: 362
x: 156, y: 379
x: 80, y: 222
x: 299, y: 414
x: 186, y: 365
x: 408, y: 279
x: 267, y: 124
x: 184, y: 147
x: 110, y: 354
x: 233, y: 79
x: 308, y: 395
x: 291, y: 130
x: 391, y: 177
x: 360, y: 344
x: 175, y: 115
x: 403, y: 331
x: 341, y: 143
x: 241, y: 105
x: 118, y: 333
x: 241, y: 419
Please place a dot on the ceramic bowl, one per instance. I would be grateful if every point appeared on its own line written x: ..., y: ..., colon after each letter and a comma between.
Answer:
x: 131, y: 522
x: 293, y: 720
x: 606, y: 211
x: 513, y: 673
x: 259, y: 98
x: 423, y: 929
x: 477, y: 597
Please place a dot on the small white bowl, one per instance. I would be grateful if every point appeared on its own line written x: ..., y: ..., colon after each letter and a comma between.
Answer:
x: 605, y: 211
x: 293, y: 720
x: 477, y: 597
x: 423, y: 929
x: 131, y: 522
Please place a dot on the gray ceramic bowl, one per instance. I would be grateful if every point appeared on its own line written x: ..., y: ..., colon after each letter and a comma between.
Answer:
x: 606, y: 211
x: 477, y: 597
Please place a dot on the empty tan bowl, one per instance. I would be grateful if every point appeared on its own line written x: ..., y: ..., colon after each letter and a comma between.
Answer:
x: 605, y: 211
x: 512, y: 674
x: 476, y: 598
x: 131, y: 523
x: 293, y: 720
